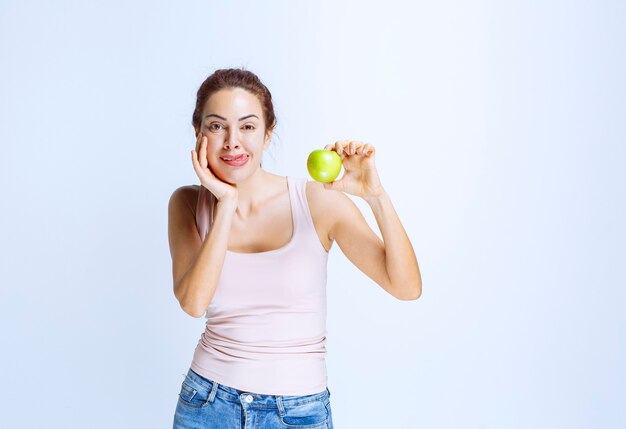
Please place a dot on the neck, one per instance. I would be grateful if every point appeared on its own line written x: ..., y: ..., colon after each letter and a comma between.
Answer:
x: 254, y: 191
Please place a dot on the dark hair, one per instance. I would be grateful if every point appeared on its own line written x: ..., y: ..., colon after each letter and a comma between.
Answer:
x: 235, y: 78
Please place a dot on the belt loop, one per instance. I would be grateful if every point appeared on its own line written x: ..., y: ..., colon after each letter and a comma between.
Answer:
x: 279, y: 404
x: 213, y: 392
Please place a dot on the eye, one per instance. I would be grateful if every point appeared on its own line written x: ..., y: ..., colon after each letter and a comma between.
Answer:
x: 214, y: 129
x: 251, y: 127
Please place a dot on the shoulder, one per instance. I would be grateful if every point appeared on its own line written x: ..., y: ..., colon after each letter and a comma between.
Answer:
x: 186, y: 195
x: 328, y: 208
x: 315, y: 195
x: 321, y: 196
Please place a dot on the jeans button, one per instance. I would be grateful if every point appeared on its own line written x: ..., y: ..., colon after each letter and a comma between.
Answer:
x: 249, y: 399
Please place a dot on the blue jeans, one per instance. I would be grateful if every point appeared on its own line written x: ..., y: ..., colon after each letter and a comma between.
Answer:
x: 203, y: 403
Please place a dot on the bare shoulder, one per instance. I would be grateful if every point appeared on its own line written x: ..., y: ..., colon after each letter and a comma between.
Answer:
x: 186, y: 195
x: 327, y: 207
x: 316, y: 194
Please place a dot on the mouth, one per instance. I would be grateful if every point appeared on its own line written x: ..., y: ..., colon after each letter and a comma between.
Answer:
x: 236, y: 160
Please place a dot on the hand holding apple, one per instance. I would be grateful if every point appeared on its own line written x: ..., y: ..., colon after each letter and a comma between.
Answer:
x: 360, y: 176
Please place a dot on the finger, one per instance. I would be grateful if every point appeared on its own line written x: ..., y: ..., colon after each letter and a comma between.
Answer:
x: 194, y: 161
x: 365, y: 149
x: 328, y: 147
x: 198, y: 141
x: 351, y: 148
x: 341, y: 147
x: 358, y: 146
x: 203, y: 159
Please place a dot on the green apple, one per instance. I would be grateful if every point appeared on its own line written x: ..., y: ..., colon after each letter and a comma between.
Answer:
x: 324, y: 165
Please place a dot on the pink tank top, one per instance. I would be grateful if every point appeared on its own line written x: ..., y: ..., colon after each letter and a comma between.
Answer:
x: 266, y: 325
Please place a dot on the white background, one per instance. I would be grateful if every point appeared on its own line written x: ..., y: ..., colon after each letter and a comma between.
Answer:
x: 500, y: 133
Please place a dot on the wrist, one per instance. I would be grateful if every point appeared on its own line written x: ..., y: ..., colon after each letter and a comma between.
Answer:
x: 229, y: 204
x: 373, y: 198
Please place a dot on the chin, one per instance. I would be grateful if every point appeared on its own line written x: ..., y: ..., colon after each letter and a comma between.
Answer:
x: 233, y: 177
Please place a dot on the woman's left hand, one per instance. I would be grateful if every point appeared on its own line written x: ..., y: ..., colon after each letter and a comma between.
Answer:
x: 360, y: 177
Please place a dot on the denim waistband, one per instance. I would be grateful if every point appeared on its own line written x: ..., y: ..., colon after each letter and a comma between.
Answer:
x: 258, y: 400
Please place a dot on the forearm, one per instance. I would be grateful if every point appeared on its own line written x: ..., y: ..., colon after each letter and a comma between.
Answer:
x: 199, y: 283
x: 400, y: 261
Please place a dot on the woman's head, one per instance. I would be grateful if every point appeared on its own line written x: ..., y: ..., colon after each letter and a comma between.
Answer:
x: 234, y: 111
x: 235, y: 78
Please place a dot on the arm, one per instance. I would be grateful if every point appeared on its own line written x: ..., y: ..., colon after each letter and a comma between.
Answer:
x: 197, y: 265
x: 400, y: 261
x: 390, y: 262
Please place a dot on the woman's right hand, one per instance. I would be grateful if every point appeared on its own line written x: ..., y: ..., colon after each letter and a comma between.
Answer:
x: 221, y: 190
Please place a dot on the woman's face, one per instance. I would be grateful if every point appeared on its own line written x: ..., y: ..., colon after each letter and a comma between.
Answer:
x: 232, y: 121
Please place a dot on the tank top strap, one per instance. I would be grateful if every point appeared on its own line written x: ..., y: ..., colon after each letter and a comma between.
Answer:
x: 299, y: 205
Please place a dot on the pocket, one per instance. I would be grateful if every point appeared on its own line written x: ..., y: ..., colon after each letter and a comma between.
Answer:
x: 193, y: 394
x: 312, y: 414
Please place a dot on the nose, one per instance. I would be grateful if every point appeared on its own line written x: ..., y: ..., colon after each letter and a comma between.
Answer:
x: 231, y: 142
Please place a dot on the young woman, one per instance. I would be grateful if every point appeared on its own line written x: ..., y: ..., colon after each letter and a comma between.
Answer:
x: 249, y: 251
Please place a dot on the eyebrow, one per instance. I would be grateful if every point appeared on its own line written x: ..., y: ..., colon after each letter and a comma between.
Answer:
x: 224, y: 119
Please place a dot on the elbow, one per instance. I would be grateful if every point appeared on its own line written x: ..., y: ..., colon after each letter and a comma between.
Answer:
x: 411, y: 292
x: 197, y: 315
x: 190, y: 307
x: 191, y: 310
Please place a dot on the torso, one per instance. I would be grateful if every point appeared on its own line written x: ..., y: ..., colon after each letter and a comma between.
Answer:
x: 271, y: 227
